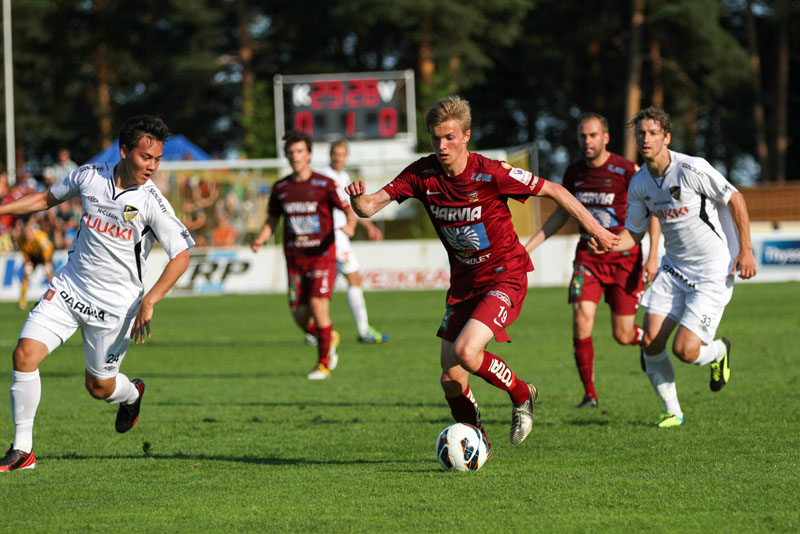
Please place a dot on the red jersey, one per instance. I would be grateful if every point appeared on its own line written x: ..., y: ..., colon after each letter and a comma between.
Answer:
x: 308, y: 208
x: 604, y: 192
x: 471, y: 216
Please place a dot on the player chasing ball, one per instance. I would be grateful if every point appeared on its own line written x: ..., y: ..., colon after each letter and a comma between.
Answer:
x: 600, y: 181
x: 466, y: 197
x: 707, y: 240
x: 100, y: 289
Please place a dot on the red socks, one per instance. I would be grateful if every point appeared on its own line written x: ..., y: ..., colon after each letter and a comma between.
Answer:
x: 584, y: 359
x: 495, y: 371
x: 465, y: 409
x: 324, y: 344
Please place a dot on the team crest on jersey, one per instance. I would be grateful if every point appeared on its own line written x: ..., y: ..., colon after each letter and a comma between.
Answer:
x: 129, y: 213
x: 607, y: 182
x: 473, y: 196
x: 675, y: 191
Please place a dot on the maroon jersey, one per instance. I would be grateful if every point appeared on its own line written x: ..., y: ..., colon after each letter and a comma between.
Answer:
x: 308, y: 208
x: 604, y: 192
x: 471, y: 216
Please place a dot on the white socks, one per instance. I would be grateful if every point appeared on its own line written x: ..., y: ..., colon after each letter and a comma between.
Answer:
x: 26, y: 391
x: 710, y: 353
x: 662, y: 377
x: 358, y: 307
x: 125, y: 392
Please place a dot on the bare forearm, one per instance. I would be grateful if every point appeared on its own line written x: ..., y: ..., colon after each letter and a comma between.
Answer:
x: 172, y: 272
x: 29, y: 204
x: 741, y: 219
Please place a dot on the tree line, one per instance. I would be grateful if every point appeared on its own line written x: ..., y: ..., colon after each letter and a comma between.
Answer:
x: 724, y: 69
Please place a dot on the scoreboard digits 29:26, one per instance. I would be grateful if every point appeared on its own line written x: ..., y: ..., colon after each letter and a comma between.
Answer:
x: 355, y: 106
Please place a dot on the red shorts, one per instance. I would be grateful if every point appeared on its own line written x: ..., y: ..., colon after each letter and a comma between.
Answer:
x: 497, y: 308
x: 622, y: 284
x: 315, y: 280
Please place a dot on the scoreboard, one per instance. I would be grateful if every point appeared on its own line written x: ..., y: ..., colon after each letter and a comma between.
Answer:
x: 363, y: 106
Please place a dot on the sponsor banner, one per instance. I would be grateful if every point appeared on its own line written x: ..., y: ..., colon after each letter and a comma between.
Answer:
x: 385, y: 265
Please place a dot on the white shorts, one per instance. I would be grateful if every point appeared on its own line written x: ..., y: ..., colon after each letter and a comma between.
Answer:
x: 346, y: 261
x: 61, y: 311
x: 696, y: 305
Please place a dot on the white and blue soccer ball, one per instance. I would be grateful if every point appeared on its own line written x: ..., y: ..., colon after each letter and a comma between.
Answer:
x: 462, y: 447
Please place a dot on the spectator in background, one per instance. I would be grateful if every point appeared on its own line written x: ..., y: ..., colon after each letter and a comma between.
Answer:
x: 224, y: 234
x: 600, y: 181
x: 63, y: 166
x: 346, y: 261
x: 36, y: 248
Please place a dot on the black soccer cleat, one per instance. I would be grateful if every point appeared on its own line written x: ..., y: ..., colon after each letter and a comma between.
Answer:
x: 587, y: 402
x: 128, y: 414
x: 17, y: 459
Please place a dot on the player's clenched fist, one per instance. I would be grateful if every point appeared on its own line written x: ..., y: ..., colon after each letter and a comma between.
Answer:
x: 356, y: 188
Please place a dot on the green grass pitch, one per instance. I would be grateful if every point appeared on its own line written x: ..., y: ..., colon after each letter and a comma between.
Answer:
x: 233, y: 438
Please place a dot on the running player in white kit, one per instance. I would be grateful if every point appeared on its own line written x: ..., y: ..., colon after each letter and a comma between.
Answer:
x: 706, y: 232
x: 100, y: 288
x: 346, y: 260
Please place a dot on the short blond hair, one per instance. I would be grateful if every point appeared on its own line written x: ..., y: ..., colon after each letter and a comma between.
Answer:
x: 451, y: 107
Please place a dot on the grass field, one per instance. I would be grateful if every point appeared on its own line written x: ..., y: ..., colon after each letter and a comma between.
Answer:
x: 232, y: 436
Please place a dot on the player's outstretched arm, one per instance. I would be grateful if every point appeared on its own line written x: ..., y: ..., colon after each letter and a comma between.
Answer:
x: 363, y: 204
x: 265, y: 233
x: 605, y: 240
x: 744, y: 262
x: 553, y: 224
x: 174, y: 269
x: 30, y: 203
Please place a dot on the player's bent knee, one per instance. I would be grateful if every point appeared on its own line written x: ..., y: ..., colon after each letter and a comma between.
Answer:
x: 100, y: 388
x: 451, y: 388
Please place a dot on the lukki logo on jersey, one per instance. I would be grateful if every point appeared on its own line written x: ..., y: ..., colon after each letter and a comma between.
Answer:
x: 129, y: 213
x: 672, y: 213
x: 105, y: 227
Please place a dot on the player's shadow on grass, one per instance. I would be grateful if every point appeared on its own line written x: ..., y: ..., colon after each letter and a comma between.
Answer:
x: 258, y: 460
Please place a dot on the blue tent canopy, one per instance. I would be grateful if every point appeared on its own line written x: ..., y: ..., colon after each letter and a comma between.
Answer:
x: 177, y: 148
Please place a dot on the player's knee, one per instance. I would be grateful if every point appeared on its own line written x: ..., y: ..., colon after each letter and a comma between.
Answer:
x: 467, y: 356
x: 25, y: 358
x: 685, y: 353
x: 624, y: 337
x: 99, y: 389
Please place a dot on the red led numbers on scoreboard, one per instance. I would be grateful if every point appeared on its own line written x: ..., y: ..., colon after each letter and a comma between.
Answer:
x: 357, y: 108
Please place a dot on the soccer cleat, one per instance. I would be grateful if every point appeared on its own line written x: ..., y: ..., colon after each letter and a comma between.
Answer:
x: 642, y: 362
x: 333, y: 357
x: 587, y: 402
x: 319, y: 373
x: 373, y: 337
x: 128, y: 414
x: 721, y: 369
x: 17, y: 459
x: 667, y: 420
x: 522, y: 417
x: 311, y: 340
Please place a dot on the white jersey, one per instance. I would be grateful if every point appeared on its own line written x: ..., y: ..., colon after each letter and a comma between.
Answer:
x: 341, y: 178
x: 106, y: 262
x: 691, y: 203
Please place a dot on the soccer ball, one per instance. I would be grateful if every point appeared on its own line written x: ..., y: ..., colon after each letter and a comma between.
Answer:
x: 461, y: 447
